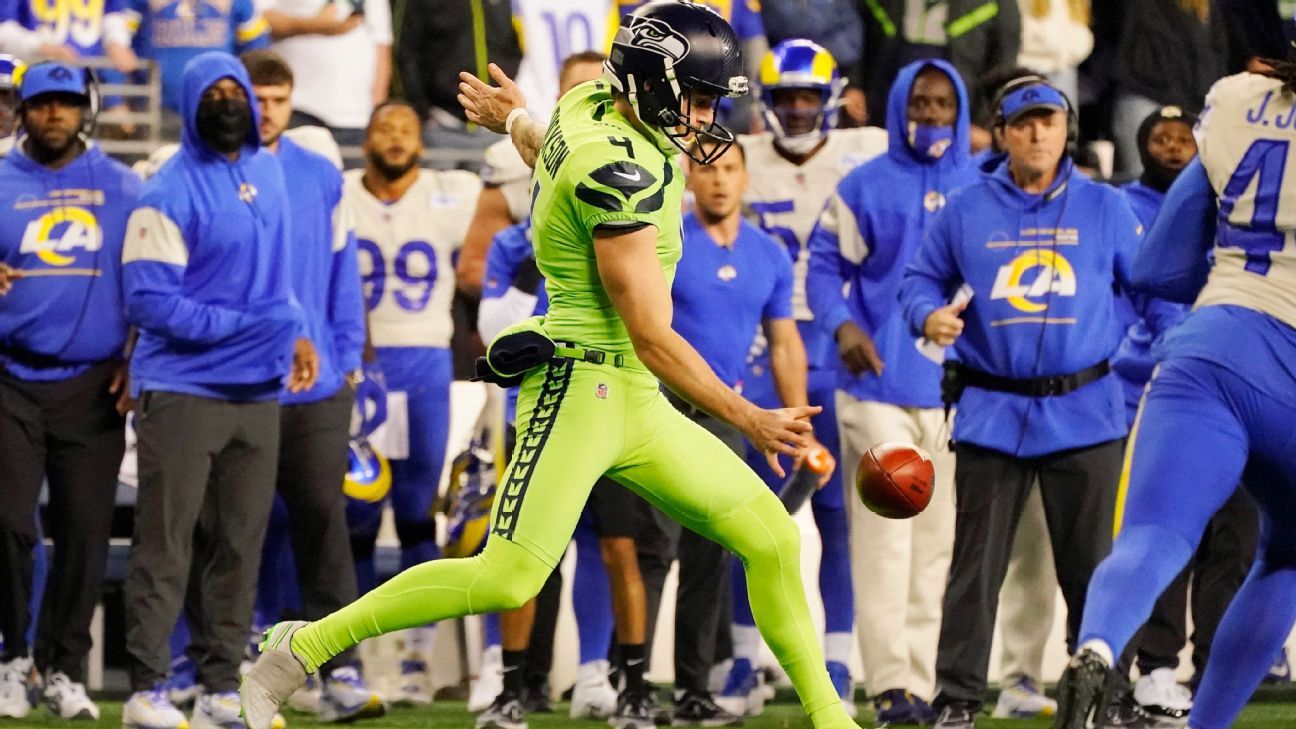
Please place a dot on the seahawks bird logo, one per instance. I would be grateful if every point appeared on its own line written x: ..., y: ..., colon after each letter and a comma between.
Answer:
x: 653, y: 35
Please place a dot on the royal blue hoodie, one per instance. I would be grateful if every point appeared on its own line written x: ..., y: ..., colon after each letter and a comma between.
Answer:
x: 63, y: 230
x: 869, y: 232
x: 1145, y: 318
x: 1043, y: 269
x: 325, y: 275
x: 206, y: 263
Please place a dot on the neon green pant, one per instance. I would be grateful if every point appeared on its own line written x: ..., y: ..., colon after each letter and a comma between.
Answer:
x: 576, y: 422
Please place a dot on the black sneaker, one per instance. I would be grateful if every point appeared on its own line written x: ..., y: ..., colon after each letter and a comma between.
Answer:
x: 696, y: 708
x: 634, y: 711
x: 1080, y: 691
x: 536, y: 699
x: 1123, y: 712
x: 507, y: 712
x: 957, y: 715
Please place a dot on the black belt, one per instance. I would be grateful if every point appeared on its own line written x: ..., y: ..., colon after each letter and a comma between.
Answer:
x: 33, y: 360
x: 958, y: 376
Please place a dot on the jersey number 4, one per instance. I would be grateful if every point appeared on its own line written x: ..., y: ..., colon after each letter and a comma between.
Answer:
x: 413, y: 274
x: 1267, y: 159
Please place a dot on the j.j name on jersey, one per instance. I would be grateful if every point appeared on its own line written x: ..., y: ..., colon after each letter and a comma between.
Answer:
x: 56, y: 236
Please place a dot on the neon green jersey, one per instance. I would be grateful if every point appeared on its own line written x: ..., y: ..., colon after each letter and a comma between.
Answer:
x: 596, y: 170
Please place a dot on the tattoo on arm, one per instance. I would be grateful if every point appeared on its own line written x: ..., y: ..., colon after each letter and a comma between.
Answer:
x: 528, y: 134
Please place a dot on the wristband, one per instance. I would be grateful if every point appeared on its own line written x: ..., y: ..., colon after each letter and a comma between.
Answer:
x: 513, y: 117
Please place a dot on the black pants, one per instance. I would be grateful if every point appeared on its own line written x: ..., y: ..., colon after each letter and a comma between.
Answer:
x: 704, y: 601
x: 1079, y: 492
x: 312, y: 465
x: 69, y: 432
x: 206, y: 484
x: 1217, y: 571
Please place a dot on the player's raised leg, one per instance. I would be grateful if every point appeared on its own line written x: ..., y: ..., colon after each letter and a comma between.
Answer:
x: 696, y: 480
x: 1184, y: 459
x: 553, y: 468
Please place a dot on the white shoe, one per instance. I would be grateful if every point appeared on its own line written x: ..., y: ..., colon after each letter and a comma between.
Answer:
x: 593, y: 696
x: 277, y: 673
x: 347, y: 698
x: 217, y: 711
x: 414, y: 682
x: 1162, y: 697
x: 490, y: 681
x: 307, y: 698
x: 1022, y: 699
x: 66, y: 699
x: 152, y: 710
x: 15, y: 702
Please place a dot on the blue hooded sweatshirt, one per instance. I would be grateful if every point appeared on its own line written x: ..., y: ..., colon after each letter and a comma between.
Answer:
x: 1145, y: 318
x: 325, y: 274
x: 63, y: 230
x: 1043, y: 269
x: 206, y: 263
x: 869, y: 232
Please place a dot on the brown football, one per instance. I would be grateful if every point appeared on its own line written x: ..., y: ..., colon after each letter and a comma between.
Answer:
x: 895, y: 480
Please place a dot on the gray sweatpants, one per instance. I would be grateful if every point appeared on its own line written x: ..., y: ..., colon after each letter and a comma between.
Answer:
x: 208, y: 458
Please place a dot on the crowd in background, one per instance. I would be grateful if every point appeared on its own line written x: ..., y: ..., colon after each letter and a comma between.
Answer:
x: 403, y: 272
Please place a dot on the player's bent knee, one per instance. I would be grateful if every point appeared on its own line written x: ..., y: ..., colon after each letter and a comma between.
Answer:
x: 618, y: 553
x: 509, y: 576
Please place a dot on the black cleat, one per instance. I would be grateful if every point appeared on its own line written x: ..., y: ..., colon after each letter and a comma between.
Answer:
x: 1081, y: 690
x: 635, y: 710
x: 697, y: 708
x: 507, y: 712
x: 956, y: 716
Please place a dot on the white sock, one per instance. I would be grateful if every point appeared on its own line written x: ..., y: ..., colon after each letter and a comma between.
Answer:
x: 746, y: 642
x: 1100, y: 647
x: 837, y: 647
x: 420, y: 641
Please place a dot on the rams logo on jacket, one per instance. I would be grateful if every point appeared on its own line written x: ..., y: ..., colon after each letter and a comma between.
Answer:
x: 56, y: 236
x: 1027, y: 280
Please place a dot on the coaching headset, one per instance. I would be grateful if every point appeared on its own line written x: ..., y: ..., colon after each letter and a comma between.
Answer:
x: 1031, y: 91
x: 57, y: 77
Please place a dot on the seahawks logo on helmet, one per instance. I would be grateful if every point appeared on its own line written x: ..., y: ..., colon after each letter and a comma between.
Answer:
x: 653, y: 35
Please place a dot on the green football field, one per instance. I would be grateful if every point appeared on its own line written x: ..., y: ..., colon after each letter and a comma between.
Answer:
x: 452, y: 715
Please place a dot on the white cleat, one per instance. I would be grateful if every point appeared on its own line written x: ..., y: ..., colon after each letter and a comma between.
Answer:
x: 67, y: 699
x: 1022, y: 699
x: 152, y: 710
x: 1163, y: 698
x: 593, y: 696
x: 277, y: 673
x: 218, y: 711
x: 490, y: 681
x: 414, y: 682
x: 15, y: 701
x: 347, y: 698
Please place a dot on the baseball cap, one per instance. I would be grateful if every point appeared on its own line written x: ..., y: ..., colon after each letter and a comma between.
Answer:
x: 1029, y: 98
x: 53, y: 78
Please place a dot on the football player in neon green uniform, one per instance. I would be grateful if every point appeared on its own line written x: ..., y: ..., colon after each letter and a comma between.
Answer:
x: 606, y: 223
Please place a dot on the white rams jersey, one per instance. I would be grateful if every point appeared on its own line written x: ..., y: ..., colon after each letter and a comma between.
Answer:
x: 788, y: 198
x: 550, y: 31
x: 407, y: 253
x: 1245, y: 139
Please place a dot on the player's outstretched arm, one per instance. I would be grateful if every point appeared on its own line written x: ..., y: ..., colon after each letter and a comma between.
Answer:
x: 494, y: 107
x: 631, y: 275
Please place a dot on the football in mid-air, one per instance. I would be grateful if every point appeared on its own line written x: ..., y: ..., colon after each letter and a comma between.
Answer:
x: 895, y: 480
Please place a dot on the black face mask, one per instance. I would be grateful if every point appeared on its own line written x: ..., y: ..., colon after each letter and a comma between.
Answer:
x: 224, y: 124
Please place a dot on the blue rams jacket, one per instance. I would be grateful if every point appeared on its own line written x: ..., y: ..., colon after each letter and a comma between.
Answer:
x: 1144, y: 318
x: 206, y: 263
x: 325, y: 274
x: 868, y: 233
x: 63, y: 229
x: 1043, y: 269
